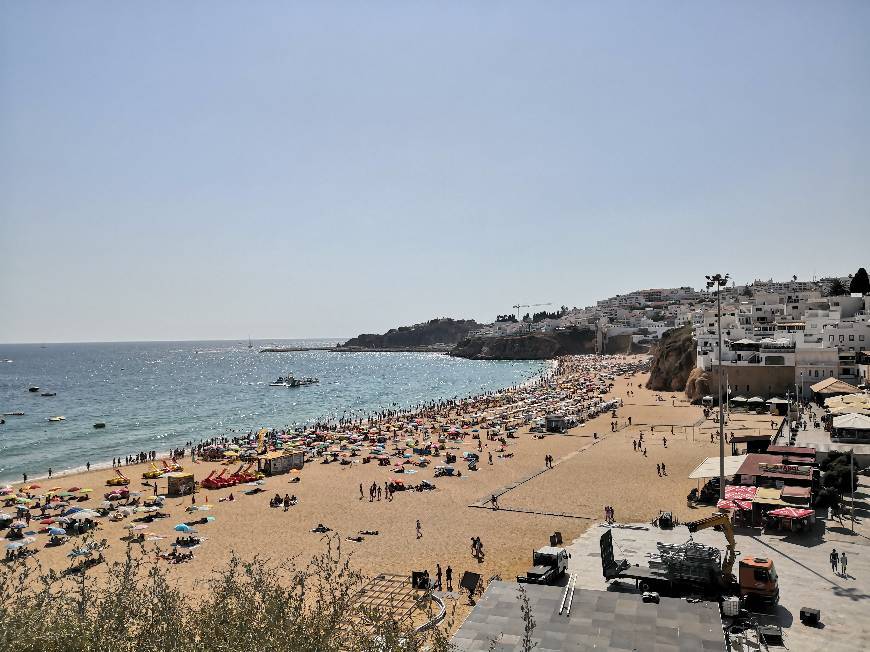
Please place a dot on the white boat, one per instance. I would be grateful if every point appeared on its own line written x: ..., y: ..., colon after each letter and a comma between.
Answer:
x: 57, y: 418
x: 290, y: 381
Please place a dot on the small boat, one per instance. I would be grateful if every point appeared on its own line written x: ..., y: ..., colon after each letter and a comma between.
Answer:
x: 57, y: 418
x: 33, y: 389
x: 290, y: 381
x: 100, y: 424
x: 13, y: 414
x: 49, y: 394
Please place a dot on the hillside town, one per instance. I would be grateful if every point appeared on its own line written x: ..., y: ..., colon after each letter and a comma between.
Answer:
x: 778, y: 337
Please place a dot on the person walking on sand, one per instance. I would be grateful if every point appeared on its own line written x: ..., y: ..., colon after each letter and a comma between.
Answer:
x: 494, y: 501
x: 25, y: 477
x: 634, y: 445
x: 659, y: 469
x: 419, y: 529
x: 664, y: 472
x: 361, y: 494
x: 834, y: 559
x: 437, y: 586
x: 843, y: 562
x: 448, y: 575
x: 490, y: 457
x: 665, y: 442
x: 644, y: 451
x: 49, y: 472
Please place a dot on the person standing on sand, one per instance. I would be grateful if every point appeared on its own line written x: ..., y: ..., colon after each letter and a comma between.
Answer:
x: 659, y: 469
x: 379, y: 492
x: 88, y: 466
x: 448, y: 575
x: 24, y: 475
x: 664, y: 472
x: 437, y: 586
x: 49, y: 472
x: 843, y: 562
x: 361, y: 494
x: 419, y: 529
x: 834, y: 559
x: 644, y: 451
x: 490, y: 457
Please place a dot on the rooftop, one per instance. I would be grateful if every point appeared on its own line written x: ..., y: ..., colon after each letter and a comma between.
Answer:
x: 604, y: 620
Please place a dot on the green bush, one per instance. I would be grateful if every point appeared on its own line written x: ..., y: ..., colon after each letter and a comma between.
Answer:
x: 248, y: 606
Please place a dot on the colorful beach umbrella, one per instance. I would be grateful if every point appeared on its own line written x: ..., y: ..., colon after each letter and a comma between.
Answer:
x: 57, y: 532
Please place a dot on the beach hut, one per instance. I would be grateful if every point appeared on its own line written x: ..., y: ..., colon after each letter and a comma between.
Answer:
x: 179, y: 484
x: 556, y: 423
x: 280, y: 462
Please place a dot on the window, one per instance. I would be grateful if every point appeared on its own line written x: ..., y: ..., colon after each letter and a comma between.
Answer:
x: 842, y: 338
x: 831, y: 338
x: 860, y: 338
x: 817, y: 373
x: 851, y: 338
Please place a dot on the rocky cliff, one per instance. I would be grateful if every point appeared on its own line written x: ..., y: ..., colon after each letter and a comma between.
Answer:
x: 431, y: 333
x: 673, y: 360
x: 526, y: 346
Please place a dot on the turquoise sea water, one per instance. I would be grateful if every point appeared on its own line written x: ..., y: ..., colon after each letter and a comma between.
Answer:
x: 158, y: 395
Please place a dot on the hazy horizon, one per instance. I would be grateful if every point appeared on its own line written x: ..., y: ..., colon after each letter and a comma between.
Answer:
x: 189, y: 172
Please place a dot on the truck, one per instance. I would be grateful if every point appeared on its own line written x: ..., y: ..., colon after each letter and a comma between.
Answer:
x: 549, y: 565
x: 694, y: 568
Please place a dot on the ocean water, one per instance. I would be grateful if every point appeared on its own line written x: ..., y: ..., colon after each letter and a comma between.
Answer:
x: 158, y: 395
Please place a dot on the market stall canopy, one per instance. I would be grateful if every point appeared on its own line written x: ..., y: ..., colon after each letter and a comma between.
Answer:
x: 852, y: 422
x: 755, y: 399
x: 709, y: 468
x: 738, y: 399
x: 791, y: 512
x: 777, y: 401
x: 833, y: 386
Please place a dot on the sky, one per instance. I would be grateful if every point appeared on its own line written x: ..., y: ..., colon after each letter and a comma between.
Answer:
x: 210, y: 170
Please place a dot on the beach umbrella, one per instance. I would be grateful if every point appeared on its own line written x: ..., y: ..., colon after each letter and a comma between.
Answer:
x: 18, y: 526
x: 57, y: 532
x: 5, y: 517
x: 6, y: 490
x: 183, y: 527
x: 15, y: 545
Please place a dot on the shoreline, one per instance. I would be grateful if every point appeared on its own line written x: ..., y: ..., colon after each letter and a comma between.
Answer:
x: 547, y: 371
x: 594, y: 466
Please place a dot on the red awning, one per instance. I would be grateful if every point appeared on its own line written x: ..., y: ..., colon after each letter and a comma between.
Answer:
x: 740, y: 492
x: 791, y: 512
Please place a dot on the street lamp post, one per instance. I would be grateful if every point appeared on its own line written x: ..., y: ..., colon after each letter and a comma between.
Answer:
x: 718, y: 281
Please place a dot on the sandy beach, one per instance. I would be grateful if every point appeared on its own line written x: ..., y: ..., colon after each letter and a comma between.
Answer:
x: 588, y: 473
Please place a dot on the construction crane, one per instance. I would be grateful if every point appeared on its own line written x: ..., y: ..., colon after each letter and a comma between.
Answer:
x: 529, y: 305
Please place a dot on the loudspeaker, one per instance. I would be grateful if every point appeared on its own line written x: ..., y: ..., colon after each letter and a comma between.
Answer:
x: 810, y: 616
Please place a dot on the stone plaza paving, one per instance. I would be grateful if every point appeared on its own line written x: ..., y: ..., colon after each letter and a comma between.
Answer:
x: 802, y: 563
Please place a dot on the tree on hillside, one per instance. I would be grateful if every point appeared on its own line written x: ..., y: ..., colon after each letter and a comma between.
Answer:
x: 747, y: 291
x: 860, y: 282
x: 837, y: 289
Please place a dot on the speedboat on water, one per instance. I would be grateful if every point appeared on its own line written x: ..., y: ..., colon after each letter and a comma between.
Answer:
x: 49, y: 394
x: 290, y: 381
x: 57, y: 418
x: 33, y: 389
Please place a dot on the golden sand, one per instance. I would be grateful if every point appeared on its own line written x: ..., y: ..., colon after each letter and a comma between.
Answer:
x: 588, y: 474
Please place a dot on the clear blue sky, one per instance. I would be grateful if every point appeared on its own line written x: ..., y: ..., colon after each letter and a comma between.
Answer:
x: 213, y: 170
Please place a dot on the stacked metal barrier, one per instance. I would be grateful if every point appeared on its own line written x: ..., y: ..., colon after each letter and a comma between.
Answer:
x: 691, y: 561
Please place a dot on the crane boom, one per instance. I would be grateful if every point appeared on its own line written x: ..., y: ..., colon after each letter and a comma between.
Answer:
x: 725, y: 522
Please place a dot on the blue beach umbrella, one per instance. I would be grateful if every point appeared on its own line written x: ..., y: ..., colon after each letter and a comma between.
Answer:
x: 57, y: 532
x: 183, y: 527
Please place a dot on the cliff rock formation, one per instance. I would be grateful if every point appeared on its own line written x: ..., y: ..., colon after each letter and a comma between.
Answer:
x: 673, y: 360
x: 436, y: 331
x: 526, y: 346
x: 698, y: 385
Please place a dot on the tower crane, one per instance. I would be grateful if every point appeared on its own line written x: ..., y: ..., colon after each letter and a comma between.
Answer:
x: 529, y: 305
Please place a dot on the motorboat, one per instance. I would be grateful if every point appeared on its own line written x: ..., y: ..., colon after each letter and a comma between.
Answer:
x: 290, y: 381
x: 57, y: 419
x: 33, y: 389
x: 49, y: 394
x: 99, y: 425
